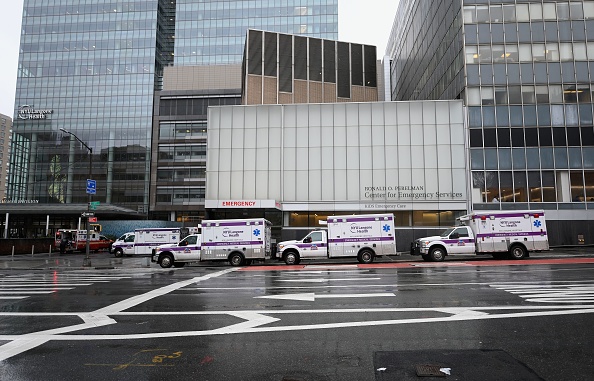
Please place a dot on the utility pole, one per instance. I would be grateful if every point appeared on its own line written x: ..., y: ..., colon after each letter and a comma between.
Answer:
x: 87, y: 260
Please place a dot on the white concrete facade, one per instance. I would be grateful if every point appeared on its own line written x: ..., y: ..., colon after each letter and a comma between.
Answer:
x: 361, y: 157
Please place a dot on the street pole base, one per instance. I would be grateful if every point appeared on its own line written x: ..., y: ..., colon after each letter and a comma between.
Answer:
x: 87, y: 262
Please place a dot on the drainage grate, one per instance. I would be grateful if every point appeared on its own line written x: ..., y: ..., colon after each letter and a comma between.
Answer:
x: 424, y: 370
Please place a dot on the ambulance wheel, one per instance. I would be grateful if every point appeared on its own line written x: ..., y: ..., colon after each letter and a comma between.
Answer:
x: 179, y: 264
x: 166, y: 261
x: 437, y: 254
x: 426, y: 257
x: 118, y: 253
x: 236, y: 259
x: 517, y: 252
x: 366, y: 256
x: 291, y: 258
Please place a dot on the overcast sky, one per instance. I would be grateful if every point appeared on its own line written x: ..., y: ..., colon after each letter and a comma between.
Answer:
x: 359, y: 21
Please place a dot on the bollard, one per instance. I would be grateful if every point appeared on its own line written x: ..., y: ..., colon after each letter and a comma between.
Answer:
x: 32, y: 250
x: 13, y: 253
x: 50, y: 253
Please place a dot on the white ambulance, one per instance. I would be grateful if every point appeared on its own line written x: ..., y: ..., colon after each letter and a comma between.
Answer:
x: 239, y: 241
x: 143, y: 241
x: 363, y: 237
x: 503, y: 234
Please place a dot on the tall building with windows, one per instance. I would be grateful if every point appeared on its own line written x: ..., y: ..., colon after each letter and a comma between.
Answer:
x: 524, y: 70
x: 92, y: 68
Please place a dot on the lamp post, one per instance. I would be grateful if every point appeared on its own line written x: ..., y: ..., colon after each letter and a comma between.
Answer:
x: 87, y: 260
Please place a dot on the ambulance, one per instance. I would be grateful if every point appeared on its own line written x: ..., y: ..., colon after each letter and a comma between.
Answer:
x: 364, y: 237
x: 143, y: 241
x: 502, y: 234
x: 76, y: 240
x: 239, y: 241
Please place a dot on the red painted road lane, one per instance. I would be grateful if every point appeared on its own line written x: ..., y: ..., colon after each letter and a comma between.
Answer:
x: 526, y: 262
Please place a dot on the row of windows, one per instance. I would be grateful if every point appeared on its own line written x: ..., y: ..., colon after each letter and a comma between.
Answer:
x: 577, y: 51
x: 181, y: 174
x: 237, y: 9
x: 401, y: 218
x: 531, y: 186
x: 48, y: 28
x: 195, y: 130
x: 115, y: 90
x: 488, y: 95
x: 212, y: 50
x: 88, y: 46
x: 267, y: 12
x: 81, y: 8
x: 182, y: 153
x: 194, y: 106
x: 250, y: 4
x: 529, y: 115
x: 532, y: 137
x: 497, y: 13
x: 52, y: 69
x: 532, y: 158
x: 178, y: 196
x: 549, y: 31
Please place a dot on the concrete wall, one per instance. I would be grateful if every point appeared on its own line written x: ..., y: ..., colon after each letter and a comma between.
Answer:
x: 24, y: 245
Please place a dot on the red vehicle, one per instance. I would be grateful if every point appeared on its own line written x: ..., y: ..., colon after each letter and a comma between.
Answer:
x: 75, y: 240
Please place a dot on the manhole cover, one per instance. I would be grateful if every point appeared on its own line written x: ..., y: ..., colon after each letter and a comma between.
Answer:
x: 424, y: 370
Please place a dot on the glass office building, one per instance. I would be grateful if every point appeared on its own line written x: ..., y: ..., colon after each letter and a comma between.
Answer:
x: 212, y: 32
x: 89, y: 68
x: 524, y: 70
x: 92, y: 67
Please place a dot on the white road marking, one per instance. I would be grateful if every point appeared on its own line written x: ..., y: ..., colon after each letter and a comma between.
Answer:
x: 35, y: 289
x: 47, y: 284
x: 12, y: 297
x: 22, y: 343
x: 441, y: 264
x: 324, y: 280
x: 254, y: 325
x: 256, y: 320
x: 318, y: 272
x: 311, y: 297
x: 547, y: 293
x: 25, y: 292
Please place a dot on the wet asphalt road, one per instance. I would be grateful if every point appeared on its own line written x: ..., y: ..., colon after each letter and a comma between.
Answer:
x: 476, y: 319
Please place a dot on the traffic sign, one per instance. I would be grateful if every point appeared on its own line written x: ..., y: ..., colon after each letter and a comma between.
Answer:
x: 88, y: 214
x: 93, y: 205
x: 91, y: 186
x: 92, y: 219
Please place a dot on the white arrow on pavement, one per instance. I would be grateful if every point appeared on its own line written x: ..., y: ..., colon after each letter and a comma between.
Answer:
x: 311, y: 297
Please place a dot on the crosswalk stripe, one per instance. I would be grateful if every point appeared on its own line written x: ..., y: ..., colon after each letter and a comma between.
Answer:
x: 17, y: 287
x: 551, y: 293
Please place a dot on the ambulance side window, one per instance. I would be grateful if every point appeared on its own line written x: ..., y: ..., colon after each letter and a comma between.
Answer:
x: 129, y: 238
x: 316, y: 236
x: 191, y: 240
x: 462, y: 232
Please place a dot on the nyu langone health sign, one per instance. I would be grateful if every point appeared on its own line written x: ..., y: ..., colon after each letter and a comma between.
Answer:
x: 27, y: 112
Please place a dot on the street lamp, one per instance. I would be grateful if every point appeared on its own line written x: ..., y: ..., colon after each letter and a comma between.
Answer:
x: 87, y: 260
